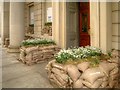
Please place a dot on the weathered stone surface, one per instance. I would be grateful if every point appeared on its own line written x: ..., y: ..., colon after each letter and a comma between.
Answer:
x: 105, y: 75
x: 35, y: 54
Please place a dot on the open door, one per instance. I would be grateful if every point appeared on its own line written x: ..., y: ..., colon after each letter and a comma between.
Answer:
x: 84, y: 24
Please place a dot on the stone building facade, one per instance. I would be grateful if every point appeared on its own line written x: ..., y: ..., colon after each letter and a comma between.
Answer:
x: 104, y: 23
x: 39, y: 10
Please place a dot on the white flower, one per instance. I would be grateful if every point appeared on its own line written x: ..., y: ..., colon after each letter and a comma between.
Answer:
x: 77, y: 53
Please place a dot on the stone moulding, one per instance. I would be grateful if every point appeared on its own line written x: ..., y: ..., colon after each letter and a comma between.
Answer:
x: 105, y: 75
x: 35, y: 54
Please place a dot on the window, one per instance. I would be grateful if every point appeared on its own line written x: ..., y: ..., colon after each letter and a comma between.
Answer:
x: 31, y: 15
x: 31, y: 19
x: 49, y: 14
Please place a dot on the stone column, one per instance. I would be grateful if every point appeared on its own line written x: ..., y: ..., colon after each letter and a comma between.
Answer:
x: 5, y: 22
x: 59, y: 23
x: 101, y: 25
x: 1, y: 20
x: 95, y: 23
x: 105, y: 26
x: 17, y: 23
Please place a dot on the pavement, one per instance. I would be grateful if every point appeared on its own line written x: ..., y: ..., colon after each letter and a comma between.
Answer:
x: 15, y: 74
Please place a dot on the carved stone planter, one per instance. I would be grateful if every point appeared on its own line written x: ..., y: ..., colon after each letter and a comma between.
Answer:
x: 35, y: 54
x: 81, y: 75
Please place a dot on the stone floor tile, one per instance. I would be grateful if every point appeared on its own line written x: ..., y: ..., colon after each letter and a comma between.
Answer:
x: 33, y: 80
x: 15, y: 74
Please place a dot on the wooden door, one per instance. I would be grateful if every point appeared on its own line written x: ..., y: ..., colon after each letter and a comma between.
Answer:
x: 84, y: 24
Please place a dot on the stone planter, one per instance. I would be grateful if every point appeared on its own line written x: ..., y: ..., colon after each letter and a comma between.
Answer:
x: 35, y: 54
x: 105, y: 75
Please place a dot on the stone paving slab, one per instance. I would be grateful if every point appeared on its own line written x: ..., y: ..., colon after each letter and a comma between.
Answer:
x: 0, y: 86
x: 17, y: 75
x: 9, y: 61
x: 0, y: 75
x: 14, y: 71
x: 0, y: 65
x: 33, y: 80
x: 40, y: 68
x: 8, y: 55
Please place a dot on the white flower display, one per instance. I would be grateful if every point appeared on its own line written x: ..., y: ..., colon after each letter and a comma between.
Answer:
x: 77, y: 53
x: 37, y: 41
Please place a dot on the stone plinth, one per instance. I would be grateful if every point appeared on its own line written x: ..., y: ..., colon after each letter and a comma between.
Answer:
x: 82, y: 75
x: 35, y: 54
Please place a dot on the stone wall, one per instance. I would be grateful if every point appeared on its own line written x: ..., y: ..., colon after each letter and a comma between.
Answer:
x: 26, y: 17
x: 105, y: 75
x: 116, y: 25
x: 39, y: 18
x: 35, y: 54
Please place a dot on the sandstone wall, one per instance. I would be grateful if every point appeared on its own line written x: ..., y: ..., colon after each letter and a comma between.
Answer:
x: 116, y: 25
x: 40, y: 10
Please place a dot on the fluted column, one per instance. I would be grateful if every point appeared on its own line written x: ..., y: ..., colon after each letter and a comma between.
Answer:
x: 17, y: 31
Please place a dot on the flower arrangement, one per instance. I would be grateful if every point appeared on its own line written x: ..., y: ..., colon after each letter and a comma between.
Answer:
x: 34, y: 42
x: 89, y: 53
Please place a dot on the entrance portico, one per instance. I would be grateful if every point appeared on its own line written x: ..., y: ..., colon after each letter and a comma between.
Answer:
x: 65, y: 24
x: 100, y: 25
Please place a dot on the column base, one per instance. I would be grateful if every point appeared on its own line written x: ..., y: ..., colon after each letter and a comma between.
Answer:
x: 13, y: 49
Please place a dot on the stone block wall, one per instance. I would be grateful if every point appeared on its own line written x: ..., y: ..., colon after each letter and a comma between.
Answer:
x: 26, y: 16
x: 116, y: 25
x: 39, y: 18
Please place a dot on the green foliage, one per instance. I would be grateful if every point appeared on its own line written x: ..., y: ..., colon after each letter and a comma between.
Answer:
x: 89, y: 52
x: 110, y: 54
x: 95, y: 60
x: 31, y: 25
x: 63, y: 57
x: 34, y: 42
x: 48, y: 24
